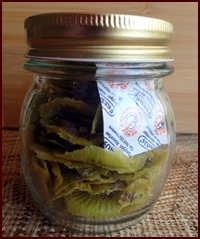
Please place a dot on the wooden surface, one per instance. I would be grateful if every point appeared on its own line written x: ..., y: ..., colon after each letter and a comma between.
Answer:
x: 181, y: 86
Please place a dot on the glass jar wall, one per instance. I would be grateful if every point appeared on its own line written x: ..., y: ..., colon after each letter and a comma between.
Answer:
x: 75, y: 173
x: 97, y: 128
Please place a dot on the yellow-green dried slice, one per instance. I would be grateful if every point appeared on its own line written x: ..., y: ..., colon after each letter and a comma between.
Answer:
x: 70, y: 187
x: 139, y: 160
x: 38, y: 177
x: 117, y: 176
x: 97, y: 206
x: 160, y: 155
x: 48, y: 110
x: 98, y: 175
x: 47, y: 154
x: 152, y: 169
x: 112, y: 176
x: 77, y: 90
x: 113, y: 160
x: 92, y: 173
x: 58, y: 179
x: 136, y: 204
x: 99, y: 181
x: 59, y: 116
x: 98, y: 119
x: 96, y: 139
x: 30, y: 117
x: 149, y: 173
x: 69, y: 177
x: 137, y: 189
x: 52, y: 141
x: 107, y: 188
x: 72, y: 181
x: 67, y: 163
x: 102, y: 189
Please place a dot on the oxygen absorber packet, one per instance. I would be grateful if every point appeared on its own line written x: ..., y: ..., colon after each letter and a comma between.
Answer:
x: 133, y: 118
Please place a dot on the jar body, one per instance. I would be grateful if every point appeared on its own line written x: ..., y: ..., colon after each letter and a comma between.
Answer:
x: 79, y: 173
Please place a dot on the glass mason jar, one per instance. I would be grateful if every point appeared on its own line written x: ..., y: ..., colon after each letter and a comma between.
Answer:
x: 97, y: 128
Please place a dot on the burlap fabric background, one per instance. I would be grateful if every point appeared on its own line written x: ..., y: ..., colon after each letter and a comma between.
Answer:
x: 174, y: 215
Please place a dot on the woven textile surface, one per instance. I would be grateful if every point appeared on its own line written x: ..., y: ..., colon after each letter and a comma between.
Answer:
x: 174, y: 215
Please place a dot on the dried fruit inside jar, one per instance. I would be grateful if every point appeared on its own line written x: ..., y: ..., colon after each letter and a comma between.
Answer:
x: 68, y: 167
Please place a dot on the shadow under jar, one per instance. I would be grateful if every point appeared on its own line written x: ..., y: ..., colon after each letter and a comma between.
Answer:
x: 97, y: 129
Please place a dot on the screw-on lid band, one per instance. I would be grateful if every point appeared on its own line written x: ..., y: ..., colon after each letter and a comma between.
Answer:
x: 97, y: 37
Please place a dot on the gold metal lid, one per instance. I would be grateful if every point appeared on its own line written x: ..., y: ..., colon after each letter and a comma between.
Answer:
x: 97, y: 37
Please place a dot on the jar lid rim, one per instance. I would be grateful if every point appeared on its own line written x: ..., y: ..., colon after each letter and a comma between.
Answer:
x: 102, y: 36
x: 105, y: 20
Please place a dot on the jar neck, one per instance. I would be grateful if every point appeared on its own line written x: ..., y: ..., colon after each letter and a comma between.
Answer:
x: 92, y: 70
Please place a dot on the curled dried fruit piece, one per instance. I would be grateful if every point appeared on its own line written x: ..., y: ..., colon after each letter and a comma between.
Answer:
x: 62, y: 106
x: 58, y: 179
x: 97, y: 206
x: 38, y: 176
x: 139, y: 160
x: 137, y: 189
x: 71, y: 181
x: 53, y: 140
x: 76, y: 127
x: 98, y: 119
x: 69, y: 188
x: 152, y: 169
x: 46, y: 154
x: 69, y: 135
x: 113, y: 160
x: 92, y: 173
x: 136, y: 204
x: 112, y: 176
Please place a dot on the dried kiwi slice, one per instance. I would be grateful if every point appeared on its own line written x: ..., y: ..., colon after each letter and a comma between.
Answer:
x: 47, y: 154
x: 160, y: 155
x: 59, y: 106
x: 79, y: 117
x: 137, y: 189
x: 97, y: 206
x: 98, y: 175
x: 86, y: 91
x: 107, y: 188
x: 69, y: 135
x: 140, y: 160
x: 70, y: 187
x: 113, y: 160
x: 111, y: 177
x: 58, y: 178
x: 92, y: 173
x: 151, y: 169
x: 136, y: 204
x: 73, y: 181
x: 39, y: 179
x: 98, y: 119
